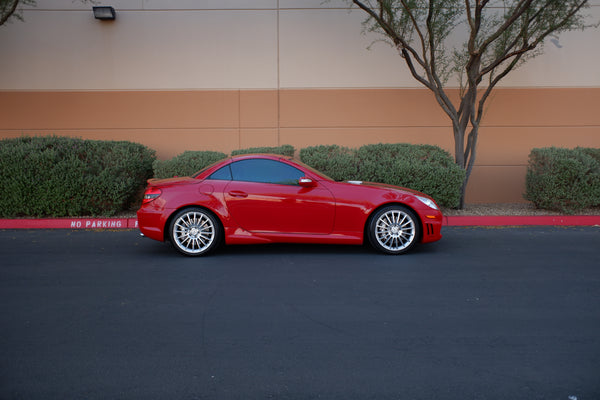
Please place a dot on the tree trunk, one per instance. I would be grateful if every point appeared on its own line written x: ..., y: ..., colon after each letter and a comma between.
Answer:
x: 466, y: 119
x: 459, y: 158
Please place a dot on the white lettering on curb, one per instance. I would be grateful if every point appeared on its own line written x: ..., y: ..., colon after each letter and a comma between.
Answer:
x: 96, y: 224
x: 104, y: 224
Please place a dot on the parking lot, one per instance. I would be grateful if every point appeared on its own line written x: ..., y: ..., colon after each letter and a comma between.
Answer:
x: 486, y: 313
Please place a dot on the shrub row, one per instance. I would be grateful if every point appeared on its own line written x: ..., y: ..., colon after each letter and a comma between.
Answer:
x: 189, y: 162
x: 59, y: 176
x: 565, y: 180
x: 425, y: 168
x: 186, y: 163
x: 285, y: 150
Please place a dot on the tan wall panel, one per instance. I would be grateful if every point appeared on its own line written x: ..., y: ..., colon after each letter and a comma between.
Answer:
x: 258, y: 109
x: 174, y: 121
x: 496, y: 184
x: 418, y: 107
x: 140, y: 50
x: 70, y: 5
x: 569, y: 59
x: 356, y: 137
x: 167, y: 143
x: 543, y: 107
x: 232, y: 44
x: 261, y: 137
x: 326, y: 48
x: 512, y: 145
x: 209, y: 4
x: 361, y: 107
x: 128, y: 109
x: 306, y: 4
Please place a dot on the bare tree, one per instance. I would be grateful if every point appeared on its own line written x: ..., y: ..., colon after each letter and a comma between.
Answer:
x: 10, y: 9
x: 499, y: 35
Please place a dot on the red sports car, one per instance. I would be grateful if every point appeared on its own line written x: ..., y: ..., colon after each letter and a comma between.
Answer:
x: 273, y: 199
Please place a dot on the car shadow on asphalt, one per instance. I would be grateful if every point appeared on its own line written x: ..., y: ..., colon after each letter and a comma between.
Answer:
x: 166, y: 249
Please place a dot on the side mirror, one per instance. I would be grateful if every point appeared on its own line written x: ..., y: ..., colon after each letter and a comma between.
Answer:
x: 307, y: 182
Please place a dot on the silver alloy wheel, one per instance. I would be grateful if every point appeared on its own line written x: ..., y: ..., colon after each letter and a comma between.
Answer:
x: 395, y: 230
x: 193, y: 232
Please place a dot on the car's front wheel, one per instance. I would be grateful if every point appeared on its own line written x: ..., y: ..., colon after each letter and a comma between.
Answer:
x: 195, y: 232
x: 394, y: 229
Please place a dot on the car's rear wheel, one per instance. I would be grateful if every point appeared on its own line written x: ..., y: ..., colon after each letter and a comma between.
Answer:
x: 195, y: 232
x: 394, y: 229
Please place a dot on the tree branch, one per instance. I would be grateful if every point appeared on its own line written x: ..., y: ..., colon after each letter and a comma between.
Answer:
x: 415, y: 24
x: 399, y: 42
x: 528, y: 47
x: 492, y: 83
x: 5, y: 16
x: 519, y: 10
x: 469, y: 15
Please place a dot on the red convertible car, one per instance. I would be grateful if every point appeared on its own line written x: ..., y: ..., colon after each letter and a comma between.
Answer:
x: 273, y: 199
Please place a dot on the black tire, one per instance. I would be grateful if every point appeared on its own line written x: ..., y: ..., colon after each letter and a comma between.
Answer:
x: 195, y: 231
x: 394, y: 229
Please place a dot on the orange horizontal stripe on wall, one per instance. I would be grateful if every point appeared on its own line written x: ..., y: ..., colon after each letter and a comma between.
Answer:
x: 174, y: 121
x: 293, y: 107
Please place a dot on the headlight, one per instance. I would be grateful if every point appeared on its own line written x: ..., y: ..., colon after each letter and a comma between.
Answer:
x: 428, y: 202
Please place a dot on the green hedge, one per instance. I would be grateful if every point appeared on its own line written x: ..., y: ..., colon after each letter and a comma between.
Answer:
x: 565, y: 180
x: 186, y: 164
x: 425, y: 168
x: 339, y: 163
x: 58, y: 176
x: 189, y: 162
x: 285, y: 150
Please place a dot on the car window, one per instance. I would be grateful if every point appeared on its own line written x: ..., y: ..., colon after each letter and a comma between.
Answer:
x: 223, y: 174
x: 197, y: 174
x: 265, y: 171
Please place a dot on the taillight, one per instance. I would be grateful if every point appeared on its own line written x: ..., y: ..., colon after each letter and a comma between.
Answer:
x: 151, y: 194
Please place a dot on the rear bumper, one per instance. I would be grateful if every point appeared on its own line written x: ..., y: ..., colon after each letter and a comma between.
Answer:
x: 151, y: 224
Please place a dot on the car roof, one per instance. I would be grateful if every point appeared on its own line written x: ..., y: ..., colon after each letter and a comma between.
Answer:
x: 267, y: 156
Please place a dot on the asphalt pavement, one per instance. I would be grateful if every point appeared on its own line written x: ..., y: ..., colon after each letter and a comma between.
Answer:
x: 486, y: 313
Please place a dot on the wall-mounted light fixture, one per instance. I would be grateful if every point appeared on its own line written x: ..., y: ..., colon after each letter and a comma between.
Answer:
x: 105, y: 13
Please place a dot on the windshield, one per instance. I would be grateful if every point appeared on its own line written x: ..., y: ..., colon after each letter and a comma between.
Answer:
x: 311, y: 169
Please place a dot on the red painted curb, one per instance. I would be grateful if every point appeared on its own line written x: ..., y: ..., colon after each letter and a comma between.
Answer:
x: 507, y: 220
x: 470, y: 220
x: 69, y: 223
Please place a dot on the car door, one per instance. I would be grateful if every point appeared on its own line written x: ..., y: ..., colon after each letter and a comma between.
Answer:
x: 264, y: 195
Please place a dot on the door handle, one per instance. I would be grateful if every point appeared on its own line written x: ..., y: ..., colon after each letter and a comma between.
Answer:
x: 238, y: 193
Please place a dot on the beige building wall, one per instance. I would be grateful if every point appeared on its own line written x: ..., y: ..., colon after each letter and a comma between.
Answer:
x: 228, y: 74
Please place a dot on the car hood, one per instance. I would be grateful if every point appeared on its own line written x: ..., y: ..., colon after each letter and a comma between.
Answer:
x: 386, y: 186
